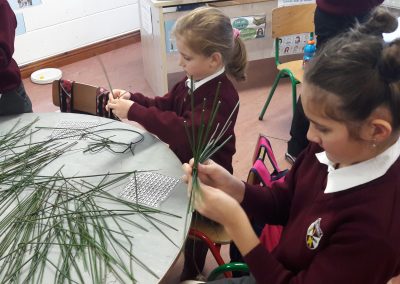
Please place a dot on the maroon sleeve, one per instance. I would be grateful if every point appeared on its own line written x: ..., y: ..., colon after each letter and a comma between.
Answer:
x: 162, y: 103
x: 166, y: 117
x: 167, y: 125
x: 8, y: 24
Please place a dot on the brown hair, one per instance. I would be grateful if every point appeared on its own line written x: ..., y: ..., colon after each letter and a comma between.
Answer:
x: 208, y: 30
x: 360, y: 69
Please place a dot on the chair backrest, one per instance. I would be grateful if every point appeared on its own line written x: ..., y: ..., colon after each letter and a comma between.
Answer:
x: 260, y: 174
x: 296, y: 19
x: 290, y: 20
x: 84, y: 97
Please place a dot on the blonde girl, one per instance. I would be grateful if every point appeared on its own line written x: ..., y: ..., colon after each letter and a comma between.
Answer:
x: 210, y: 50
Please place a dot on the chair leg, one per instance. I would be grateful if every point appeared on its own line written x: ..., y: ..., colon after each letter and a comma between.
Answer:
x: 278, y: 77
x: 294, y: 92
x: 214, y: 248
x: 233, y: 266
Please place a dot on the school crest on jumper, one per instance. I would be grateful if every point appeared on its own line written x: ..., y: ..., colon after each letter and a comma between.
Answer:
x: 314, y: 234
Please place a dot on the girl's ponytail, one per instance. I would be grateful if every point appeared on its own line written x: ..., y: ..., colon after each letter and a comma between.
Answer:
x: 389, y: 63
x: 380, y: 21
x: 237, y: 64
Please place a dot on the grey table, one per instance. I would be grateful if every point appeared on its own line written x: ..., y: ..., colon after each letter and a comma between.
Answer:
x: 156, y: 250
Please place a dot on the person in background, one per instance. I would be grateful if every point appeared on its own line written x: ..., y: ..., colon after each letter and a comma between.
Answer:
x: 13, y: 98
x: 340, y: 202
x: 209, y: 49
x: 331, y: 18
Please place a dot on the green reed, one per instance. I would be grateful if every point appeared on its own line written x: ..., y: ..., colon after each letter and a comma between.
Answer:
x: 63, y: 224
x: 207, y: 139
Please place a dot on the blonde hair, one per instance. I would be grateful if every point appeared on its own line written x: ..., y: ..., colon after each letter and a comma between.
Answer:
x: 207, y: 30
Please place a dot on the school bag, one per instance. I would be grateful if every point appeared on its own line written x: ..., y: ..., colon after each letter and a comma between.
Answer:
x: 260, y: 174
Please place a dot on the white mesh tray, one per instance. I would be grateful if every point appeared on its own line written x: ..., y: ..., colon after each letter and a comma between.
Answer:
x: 152, y: 188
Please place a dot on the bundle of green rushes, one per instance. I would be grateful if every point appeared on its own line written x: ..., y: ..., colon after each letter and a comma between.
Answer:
x: 203, y: 143
x: 58, y: 223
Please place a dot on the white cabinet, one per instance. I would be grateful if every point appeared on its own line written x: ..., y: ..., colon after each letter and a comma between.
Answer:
x: 158, y: 62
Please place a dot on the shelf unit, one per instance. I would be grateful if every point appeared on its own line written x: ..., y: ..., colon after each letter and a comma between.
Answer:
x: 158, y: 63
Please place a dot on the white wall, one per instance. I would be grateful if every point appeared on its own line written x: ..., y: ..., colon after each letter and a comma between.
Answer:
x: 392, y: 3
x: 57, y: 26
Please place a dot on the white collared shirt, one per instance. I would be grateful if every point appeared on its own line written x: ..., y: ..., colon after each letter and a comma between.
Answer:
x: 360, y: 173
x: 197, y: 84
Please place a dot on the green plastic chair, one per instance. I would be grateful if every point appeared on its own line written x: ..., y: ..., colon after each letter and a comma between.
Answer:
x: 227, y: 267
x: 288, y: 21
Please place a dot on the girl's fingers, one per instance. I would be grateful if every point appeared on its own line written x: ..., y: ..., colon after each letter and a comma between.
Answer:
x: 187, y: 169
x: 189, y: 190
x: 122, y: 94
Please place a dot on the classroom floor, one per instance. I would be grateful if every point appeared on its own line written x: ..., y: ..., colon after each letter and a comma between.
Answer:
x: 125, y: 70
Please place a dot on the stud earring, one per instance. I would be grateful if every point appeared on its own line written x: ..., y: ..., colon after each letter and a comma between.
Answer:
x: 374, y: 143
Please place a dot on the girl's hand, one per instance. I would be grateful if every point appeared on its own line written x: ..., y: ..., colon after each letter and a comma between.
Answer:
x: 216, y: 204
x: 222, y: 208
x: 212, y: 174
x: 121, y: 94
x: 120, y: 107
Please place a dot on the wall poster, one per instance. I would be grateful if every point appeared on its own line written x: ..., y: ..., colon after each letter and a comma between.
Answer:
x: 293, y: 2
x: 251, y: 27
x: 170, y: 42
x: 16, y: 5
x: 19, y: 4
x: 21, y: 29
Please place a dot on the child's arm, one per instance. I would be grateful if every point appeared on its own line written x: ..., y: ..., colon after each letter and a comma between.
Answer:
x: 119, y: 103
x: 224, y: 209
x: 3, y: 57
x: 361, y: 257
x: 212, y: 174
x: 120, y: 94
x: 123, y: 108
x: 275, y: 201
x: 7, y: 35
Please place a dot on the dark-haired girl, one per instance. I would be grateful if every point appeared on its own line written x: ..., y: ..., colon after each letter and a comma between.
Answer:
x: 340, y: 202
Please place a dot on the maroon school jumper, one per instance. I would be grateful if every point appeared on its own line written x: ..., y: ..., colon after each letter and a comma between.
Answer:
x: 358, y: 228
x: 164, y: 116
x: 347, y: 7
x: 10, y: 76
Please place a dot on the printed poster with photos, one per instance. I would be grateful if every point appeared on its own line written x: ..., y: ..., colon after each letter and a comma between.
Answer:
x: 17, y: 6
x: 170, y: 42
x: 392, y: 3
x: 293, y: 2
x: 293, y: 44
x: 20, y: 4
x: 251, y: 27
x: 20, y: 24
